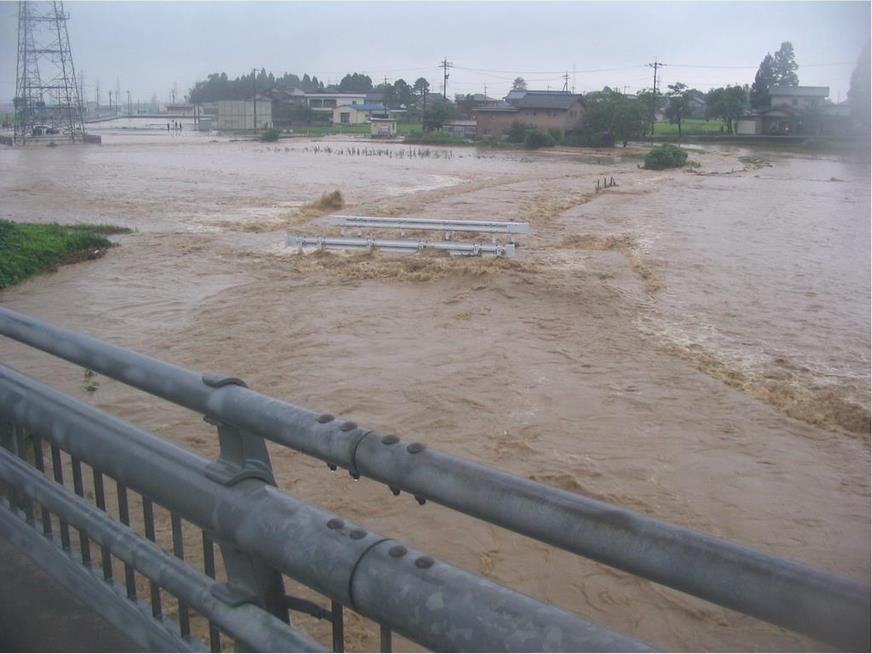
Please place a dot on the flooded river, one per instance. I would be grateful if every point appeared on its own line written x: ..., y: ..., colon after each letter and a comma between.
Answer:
x: 691, y: 345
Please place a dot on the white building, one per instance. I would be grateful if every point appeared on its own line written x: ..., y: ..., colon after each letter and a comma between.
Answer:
x: 241, y: 114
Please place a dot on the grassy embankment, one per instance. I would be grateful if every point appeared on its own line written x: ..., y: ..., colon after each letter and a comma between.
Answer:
x: 29, y: 248
x: 689, y: 127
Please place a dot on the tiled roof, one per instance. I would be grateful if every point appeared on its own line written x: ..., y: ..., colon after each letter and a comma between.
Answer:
x: 547, y: 101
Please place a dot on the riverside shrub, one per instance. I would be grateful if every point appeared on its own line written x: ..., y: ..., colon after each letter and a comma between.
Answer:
x: 536, y: 139
x: 665, y: 156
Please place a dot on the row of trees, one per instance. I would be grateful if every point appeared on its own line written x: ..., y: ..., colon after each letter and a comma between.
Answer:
x: 218, y: 86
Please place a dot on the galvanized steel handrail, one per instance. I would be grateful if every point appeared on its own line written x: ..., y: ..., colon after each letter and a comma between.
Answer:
x: 441, y: 607
x: 790, y: 594
x: 437, y: 224
x: 245, y: 622
x: 399, y: 245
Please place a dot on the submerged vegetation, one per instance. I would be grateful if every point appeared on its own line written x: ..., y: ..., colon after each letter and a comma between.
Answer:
x: 29, y: 248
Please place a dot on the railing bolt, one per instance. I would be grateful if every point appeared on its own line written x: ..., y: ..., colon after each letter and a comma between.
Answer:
x: 348, y: 426
x: 357, y: 534
x: 332, y: 466
x: 423, y: 562
x: 394, y: 490
x: 390, y: 439
x: 325, y: 418
x: 354, y: 475
x: 397, y: 551
x: 414, y: 448
x: 335, y: 523
x: 420, y: 500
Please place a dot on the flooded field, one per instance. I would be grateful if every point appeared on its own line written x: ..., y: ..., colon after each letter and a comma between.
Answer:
x: 691, y: 345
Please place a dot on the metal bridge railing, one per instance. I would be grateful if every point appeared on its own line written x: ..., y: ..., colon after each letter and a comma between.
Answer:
x: 264, y: 533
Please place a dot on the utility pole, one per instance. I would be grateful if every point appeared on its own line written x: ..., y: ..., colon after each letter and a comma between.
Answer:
x: 129, y: 105
x: 655, y: 66
x: 573, y: 78
x: 445, y: 65
x: 254, y: 97
x: 485, y: 93
x: 110, y: 101
x: 566, y: 82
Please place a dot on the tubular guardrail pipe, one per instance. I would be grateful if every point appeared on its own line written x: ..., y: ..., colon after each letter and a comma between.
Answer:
x: 246, y: 623
x: 790, y: 594
x: 436, y: 224
x: 443, y: 607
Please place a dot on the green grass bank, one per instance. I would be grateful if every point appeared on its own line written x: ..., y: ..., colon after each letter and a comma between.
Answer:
x: 29, y: 248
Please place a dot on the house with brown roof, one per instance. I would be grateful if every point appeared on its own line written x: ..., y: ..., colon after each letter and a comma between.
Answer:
x: 542, y: 110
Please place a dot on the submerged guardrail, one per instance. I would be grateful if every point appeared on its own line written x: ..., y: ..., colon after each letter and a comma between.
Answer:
x: 271, y: 533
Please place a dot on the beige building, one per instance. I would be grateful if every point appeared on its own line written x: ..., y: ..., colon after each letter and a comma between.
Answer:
x: 540, y: 109
x: 241, y: 114
x: 356, y: 114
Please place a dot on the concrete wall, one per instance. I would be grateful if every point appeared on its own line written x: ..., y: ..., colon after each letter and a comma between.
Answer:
x: 239, y: 114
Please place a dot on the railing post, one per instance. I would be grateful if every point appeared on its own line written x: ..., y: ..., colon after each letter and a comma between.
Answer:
x: 244, y: 456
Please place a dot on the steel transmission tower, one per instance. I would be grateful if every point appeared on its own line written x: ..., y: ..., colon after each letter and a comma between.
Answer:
x: 46, y: 91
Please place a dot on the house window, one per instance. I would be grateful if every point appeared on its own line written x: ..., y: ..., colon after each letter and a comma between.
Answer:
x: 345, y: 117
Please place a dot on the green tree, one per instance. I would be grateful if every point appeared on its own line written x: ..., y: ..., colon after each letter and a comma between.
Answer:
x: 390, y: 95
x: 422, y: 88
x: 609, y: 116
x: 858, y: 94
x: 404, y: 93
x: 784, y: 66
x: 355, y: 83
x: 652, y: 101
x: 763, y: 81
x: 677, y: 104
x: 727, y: 103
x: 440, y: 113
x: 519, y: 84
x: 629, y: 119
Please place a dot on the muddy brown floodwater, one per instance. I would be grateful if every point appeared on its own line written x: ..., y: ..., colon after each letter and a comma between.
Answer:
x: 691, y: 345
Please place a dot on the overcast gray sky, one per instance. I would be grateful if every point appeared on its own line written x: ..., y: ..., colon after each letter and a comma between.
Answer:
x: 148, y: 46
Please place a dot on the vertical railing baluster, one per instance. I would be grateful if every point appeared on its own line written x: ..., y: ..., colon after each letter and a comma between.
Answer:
x: 100, y: 501
x: 124, y: 517
x: 79, y: 488
x: 154, y: 589
x: 57, y: 468
x: 20, y: 436
x: 209, y: 569
x: 38, y: 458
x: 24, y: 500
x: 9, y: 438
x: 179, y: 551
x: 338, y: 627
x: 384, y: 634
x: 39, y: 463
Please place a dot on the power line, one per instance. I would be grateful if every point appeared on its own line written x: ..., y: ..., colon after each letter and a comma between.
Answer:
x: 755, y: 66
